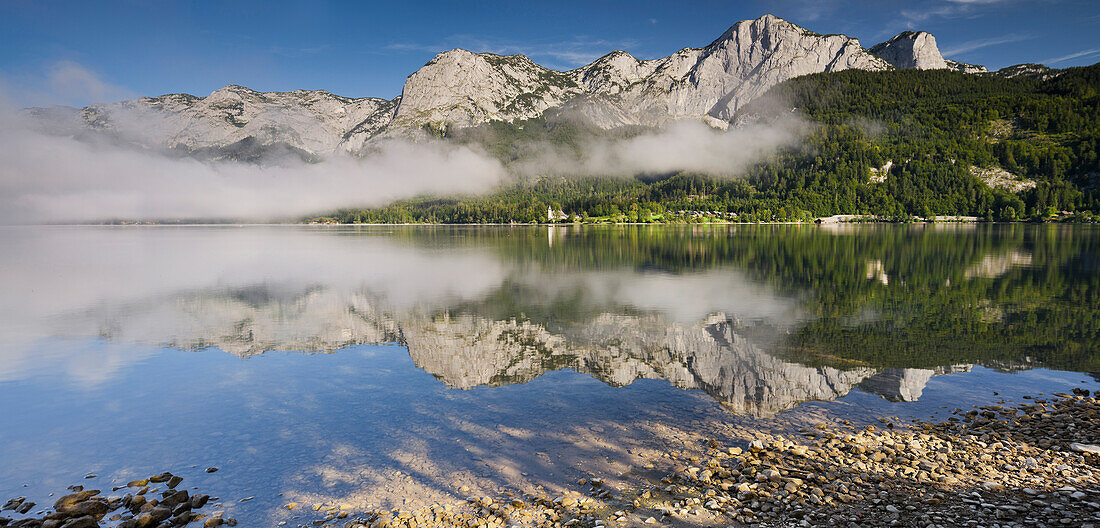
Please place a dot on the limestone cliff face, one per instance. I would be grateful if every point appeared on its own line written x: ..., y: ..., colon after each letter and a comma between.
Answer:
x: 964, y: 67
x: 463, y: 88
x: 1028, y: 70
x: 459, y: 88
x: 235, y: 119
x: 743, y: 63
x: 911, y: 49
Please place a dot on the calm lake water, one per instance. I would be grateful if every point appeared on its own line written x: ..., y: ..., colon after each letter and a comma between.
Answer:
x: 374, y: 365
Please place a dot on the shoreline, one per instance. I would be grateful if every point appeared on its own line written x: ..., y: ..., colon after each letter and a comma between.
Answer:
x: 1025, y: 464
x: 541, y: 224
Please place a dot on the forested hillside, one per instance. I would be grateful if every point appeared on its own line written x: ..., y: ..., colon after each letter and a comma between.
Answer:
x: 897, y: 144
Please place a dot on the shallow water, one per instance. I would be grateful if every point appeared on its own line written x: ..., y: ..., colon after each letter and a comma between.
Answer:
x: 371, y: 365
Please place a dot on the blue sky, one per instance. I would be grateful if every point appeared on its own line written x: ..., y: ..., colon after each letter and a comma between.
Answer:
x: 78, y: 52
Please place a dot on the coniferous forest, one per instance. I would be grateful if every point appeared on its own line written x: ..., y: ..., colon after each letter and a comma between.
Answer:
x: 897, y: 145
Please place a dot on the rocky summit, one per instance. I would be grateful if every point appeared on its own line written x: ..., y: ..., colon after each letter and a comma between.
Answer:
x: 463, y: 88
x: 911, y: 49
x: 459, y: 88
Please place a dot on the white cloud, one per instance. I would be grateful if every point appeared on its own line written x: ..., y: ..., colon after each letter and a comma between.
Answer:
x: 70, y: 80
x: 61, y: 83
x: 972, y: 45
x: 1076, y: 55
x: 950, y: 9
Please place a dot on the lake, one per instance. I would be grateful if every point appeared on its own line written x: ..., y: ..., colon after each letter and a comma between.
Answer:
x: 398, y: 365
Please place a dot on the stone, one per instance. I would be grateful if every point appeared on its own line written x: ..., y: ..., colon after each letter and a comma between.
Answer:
x: 459, y: 88
x: 86, y: 521
x: 160, y: 513
x: 94, y: 508
x: 145, y: 521
x: 911, y: 49
x: 67, y: 503
x: 200, y: 500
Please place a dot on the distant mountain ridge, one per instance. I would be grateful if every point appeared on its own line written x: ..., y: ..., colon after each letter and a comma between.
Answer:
x: 459, y: 88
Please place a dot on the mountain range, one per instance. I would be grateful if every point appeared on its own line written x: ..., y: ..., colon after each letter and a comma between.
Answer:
x: 459, y: 88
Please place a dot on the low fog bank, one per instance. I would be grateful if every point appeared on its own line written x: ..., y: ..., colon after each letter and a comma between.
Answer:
x: 48, y: 176
x: 681, y: 146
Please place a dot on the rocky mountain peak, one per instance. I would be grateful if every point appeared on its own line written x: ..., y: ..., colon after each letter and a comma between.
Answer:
x: 762, y: 28
x: 964, y: 67
x: 612, y: 73
x: 911, y: 49
x: 461, y: 88
x: 1028, y: 70
x: 234, y: 88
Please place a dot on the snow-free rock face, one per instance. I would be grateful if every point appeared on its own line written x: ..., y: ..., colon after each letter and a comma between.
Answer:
x: 309, y: 122
x: 459, y: 88
x: 743, y: 63
x: 462, y: 88
x: 1028, y: 70
x: 911, y: 49
x: 964, y: 67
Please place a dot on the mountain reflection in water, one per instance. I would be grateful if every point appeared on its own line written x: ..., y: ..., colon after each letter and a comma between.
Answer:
x: 761, y: 318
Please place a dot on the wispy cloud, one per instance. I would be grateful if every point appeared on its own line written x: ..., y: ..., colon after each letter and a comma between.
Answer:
x: 811, y: 11
x: 68, y: 79
x: 566, y: 54
x: 972, y: 45
x: 296, y: 52
x: 1076, y: 55
x: 948, y: 9
x: 63, y: 82
x: 916, y: 16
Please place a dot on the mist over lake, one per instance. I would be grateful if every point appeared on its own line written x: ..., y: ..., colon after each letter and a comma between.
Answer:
x: 394, y: 366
